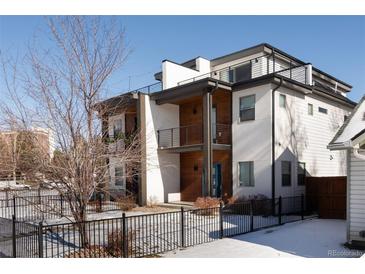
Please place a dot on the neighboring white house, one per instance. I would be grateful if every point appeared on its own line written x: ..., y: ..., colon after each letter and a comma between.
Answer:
x: 351, y: 138
x: 256, y: 121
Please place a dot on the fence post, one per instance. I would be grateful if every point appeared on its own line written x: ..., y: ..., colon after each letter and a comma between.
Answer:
x: 14, y: 207
x: 182, y: 228
x: 251, y: 215
x: 302, y: 206
x: 14, y: 236
x: 280, y: 210
x: 39, y: 196
x: 124, y: 236
x: 40, y: 239
x: 7, y: 197
x: 220, y: 220
x: 61, y: 205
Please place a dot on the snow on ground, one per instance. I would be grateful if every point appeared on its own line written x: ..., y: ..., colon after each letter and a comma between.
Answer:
x: 315, y: 238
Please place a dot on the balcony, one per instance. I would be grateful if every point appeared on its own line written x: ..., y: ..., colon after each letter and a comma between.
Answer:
x: 192, y: 136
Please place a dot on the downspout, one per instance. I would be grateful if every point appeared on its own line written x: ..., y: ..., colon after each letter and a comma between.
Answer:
x: 273, y: 140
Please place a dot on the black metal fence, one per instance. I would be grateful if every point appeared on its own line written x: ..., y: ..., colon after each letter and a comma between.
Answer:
x: 47, y: 207
x: 151, y: 234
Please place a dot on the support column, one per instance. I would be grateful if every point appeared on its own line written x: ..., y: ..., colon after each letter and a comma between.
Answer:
x: 207, y: 144
x: 142, y: 178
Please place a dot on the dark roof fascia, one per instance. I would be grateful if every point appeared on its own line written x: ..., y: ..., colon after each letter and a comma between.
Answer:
x: 188, y: 90
x: 358, y: 134
x: 114, y: 100
x: 345, y: 124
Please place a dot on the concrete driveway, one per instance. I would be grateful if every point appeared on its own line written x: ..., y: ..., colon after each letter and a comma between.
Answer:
x: 315, y: 238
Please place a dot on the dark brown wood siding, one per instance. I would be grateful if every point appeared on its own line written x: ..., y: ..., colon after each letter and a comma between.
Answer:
x: 327, y: 195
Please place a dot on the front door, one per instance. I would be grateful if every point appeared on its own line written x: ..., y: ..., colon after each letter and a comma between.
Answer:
x: 217, y: 180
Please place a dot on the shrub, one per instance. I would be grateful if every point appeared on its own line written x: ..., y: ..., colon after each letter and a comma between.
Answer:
x: 115, y: 243
x: 93, y: 251
x: 206, y: 202
x: 127, y: 202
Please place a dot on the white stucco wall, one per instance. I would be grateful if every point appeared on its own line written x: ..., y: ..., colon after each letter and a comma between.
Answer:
x: 173, y: 73
x: 251, y: 141
x: 304, y: 138
x: 162, y: 168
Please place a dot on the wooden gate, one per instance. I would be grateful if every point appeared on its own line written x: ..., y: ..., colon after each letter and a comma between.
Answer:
x: 327, y: 195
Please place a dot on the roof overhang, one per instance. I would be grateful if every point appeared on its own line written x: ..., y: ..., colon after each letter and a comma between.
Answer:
x: 197, y: 88
x: 110, y: 105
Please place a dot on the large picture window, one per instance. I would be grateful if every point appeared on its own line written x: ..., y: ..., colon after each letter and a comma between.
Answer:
x: 246, y: 174
x: 247, y: 108
x: 286, y: 173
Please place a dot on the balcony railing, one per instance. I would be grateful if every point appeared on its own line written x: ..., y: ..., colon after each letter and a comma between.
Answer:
x: 192, y: 135
x: 254, y: 68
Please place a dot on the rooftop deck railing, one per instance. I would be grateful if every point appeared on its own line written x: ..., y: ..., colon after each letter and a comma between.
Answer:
x: 254, y: 68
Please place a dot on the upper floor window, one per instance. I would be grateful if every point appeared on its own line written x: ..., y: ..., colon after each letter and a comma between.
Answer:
x: 246, y: 175
x: 117, y: 127
x: 322, y: 110
x: 247, y: 108
x: 240, y: 73
x: 286, y: 173
x: 310, y: 109
x: 301, y: 174
x: 282, y: 100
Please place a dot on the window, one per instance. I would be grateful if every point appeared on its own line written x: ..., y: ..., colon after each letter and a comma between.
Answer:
x: 282, y: 100
x: 301, y: 174
x: 246, y: 175
x: 286, y: 173
x: 241, y: 73
x: 247, y: 108
x: 117, y: 127
x: 322, y: 110
x: 119, y: 176
x: 310, y: 109
x: 345, y: 118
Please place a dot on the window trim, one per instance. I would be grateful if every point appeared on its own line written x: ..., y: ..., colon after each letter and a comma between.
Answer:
x: 310, y: 113
x: 281, y: 95
x: 322, y: 110
x: 305, y: 173
x: 254, y: 107
x: 290, y: 173
x: 252, y: 176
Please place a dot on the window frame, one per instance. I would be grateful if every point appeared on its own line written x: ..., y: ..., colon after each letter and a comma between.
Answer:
x: 304, y: 174
x: 245, y: 109
x: 290, y: 174
x: 280, y: 101
x: 322, y: 110
x: 310, y: 109
x: 251, y: 168
x: 123, y: 179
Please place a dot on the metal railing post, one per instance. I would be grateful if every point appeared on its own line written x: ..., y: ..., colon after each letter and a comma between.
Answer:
x: 14, y: 236
x: 182, y: 228
x: 251, y: 215
x: 172, y: 136
x: 280, y: 210
x: 158, y: 138
x: 40, y: 240
x: 221, y: 220
x: 302, y: 206
x: 100, y: 203
x: 124, y: 236
x: 61, y: 205
x: 14, y: 206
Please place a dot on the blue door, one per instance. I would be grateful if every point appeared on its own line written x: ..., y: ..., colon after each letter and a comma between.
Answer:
x: 217, y: 180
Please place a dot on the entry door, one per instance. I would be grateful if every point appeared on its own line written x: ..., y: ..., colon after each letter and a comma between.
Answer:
x: 217, y: 180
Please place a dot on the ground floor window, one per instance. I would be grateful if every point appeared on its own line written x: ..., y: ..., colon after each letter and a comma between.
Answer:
x: 119, y: 176
x: 301, y: 173
x: 246, y: 175
x: 286, y: 173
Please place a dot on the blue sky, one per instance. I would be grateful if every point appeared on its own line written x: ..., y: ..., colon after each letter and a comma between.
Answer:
x: 334, y: 44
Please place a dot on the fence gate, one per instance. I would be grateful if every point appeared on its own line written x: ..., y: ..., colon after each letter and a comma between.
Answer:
x: 328, y: 196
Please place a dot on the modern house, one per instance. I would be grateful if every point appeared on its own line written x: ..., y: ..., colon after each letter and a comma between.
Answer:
x: 351, y: 138
x: 256, y: 121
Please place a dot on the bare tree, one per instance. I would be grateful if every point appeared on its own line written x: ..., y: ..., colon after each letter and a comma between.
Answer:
x: 60, y: 88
